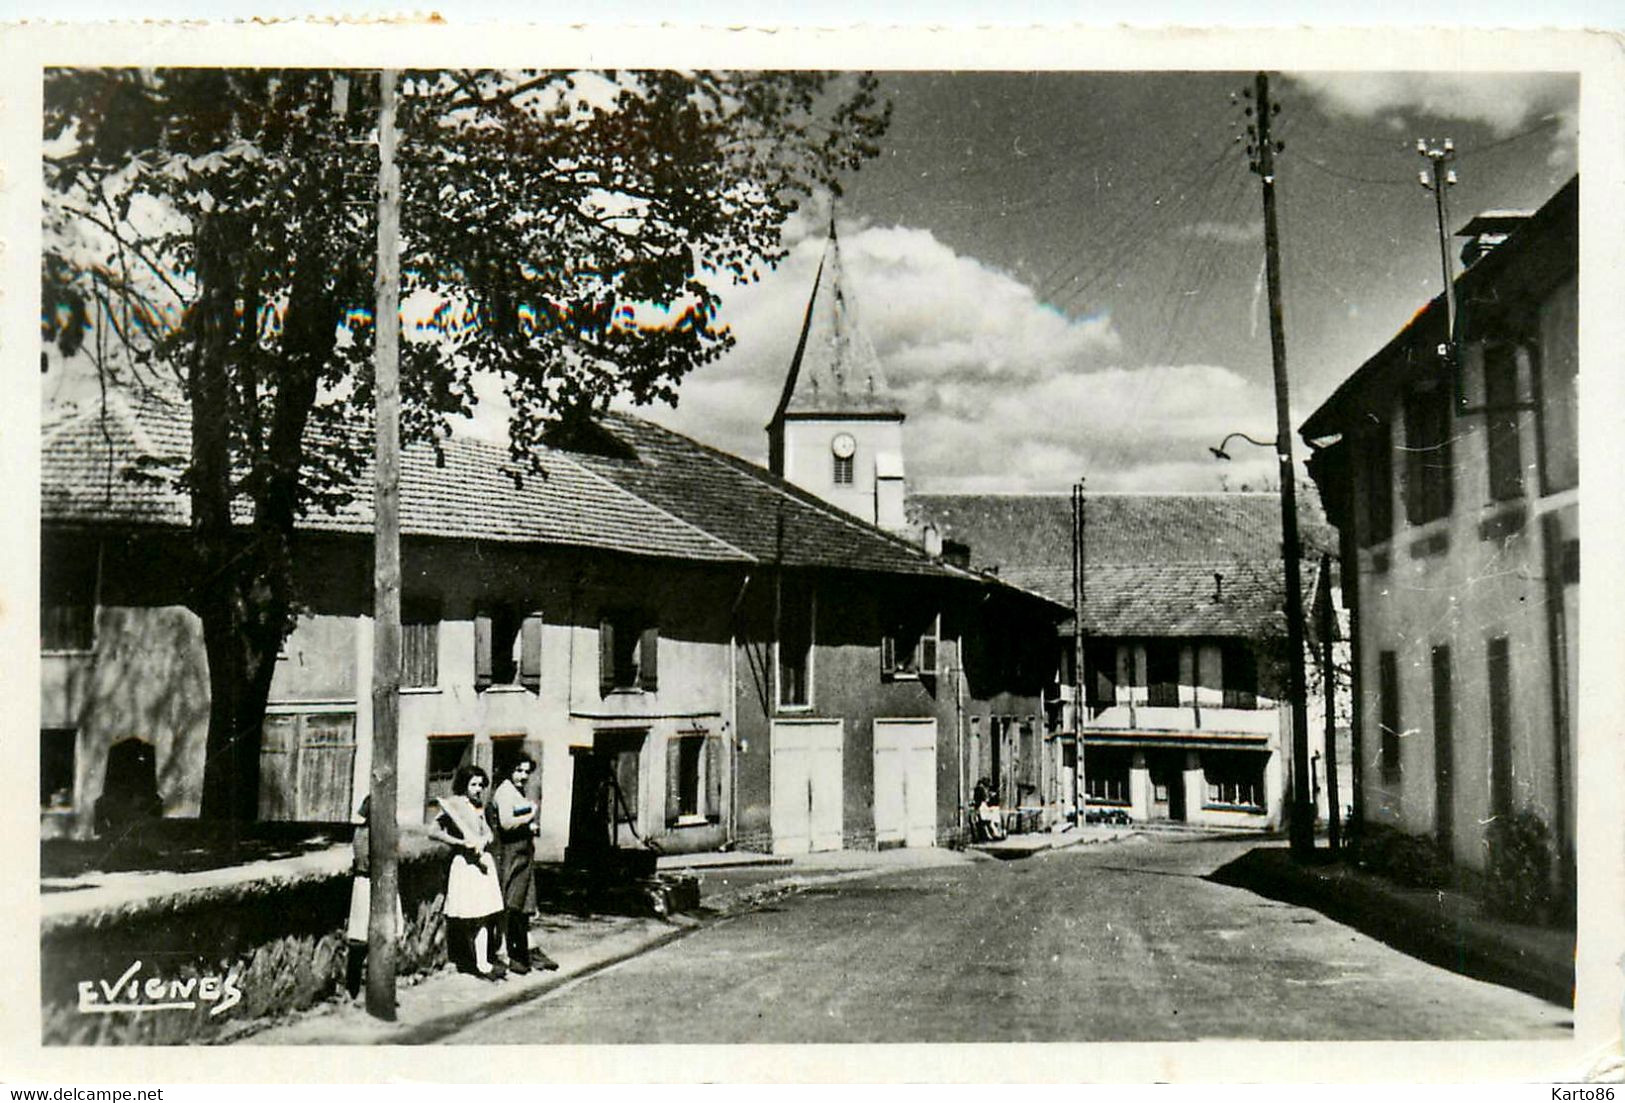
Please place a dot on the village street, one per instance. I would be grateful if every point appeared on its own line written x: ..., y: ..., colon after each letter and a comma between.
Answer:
x: 1113, y: 942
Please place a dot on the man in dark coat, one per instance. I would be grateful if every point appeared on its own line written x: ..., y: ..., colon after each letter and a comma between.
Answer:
x: 513, y: 817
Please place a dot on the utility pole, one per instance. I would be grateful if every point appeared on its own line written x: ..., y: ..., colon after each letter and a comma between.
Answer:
x: 1080, y: 797
x: 1328, y: 667
x: 1436, y: 178
x: 383, y: 852
x: 1302, y: 825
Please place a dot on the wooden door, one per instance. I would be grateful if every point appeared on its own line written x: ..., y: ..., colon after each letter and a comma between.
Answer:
x: 805, y: 766
x: 906, y: 782
x: 325, y: 768
x: 279, y: 757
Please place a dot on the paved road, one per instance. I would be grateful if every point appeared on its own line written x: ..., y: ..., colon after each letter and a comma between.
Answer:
x: 1118, y: 942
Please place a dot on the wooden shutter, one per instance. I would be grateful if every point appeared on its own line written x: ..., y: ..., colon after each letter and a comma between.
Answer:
x: 927, y: 659
x: 713, y: 778
x: 674, y: 788
x: 482, y: 650
x: 648, y: 654
x: 606, y: 657
x: 530, y: 653
x: 888, y: 656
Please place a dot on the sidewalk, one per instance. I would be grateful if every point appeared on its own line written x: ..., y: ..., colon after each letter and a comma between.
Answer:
x: 1446, y: 928
x: 1025, y: 846
x: 446, y: 1001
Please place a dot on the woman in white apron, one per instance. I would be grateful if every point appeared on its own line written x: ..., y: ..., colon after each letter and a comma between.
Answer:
x: 473, y: 891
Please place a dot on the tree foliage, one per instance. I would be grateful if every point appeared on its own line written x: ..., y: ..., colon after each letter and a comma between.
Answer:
x: 210, y: 240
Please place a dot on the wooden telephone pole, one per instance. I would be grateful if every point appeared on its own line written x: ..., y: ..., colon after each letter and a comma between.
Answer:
x: 1302, y: 826
x: 1080, y: 794
x: 383, y: 852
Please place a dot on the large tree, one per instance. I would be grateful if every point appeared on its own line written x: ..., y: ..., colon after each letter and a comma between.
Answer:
x: 210, y: 241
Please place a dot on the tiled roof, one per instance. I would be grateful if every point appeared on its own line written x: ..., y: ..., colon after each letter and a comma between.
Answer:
x: 473, y: 496
x: 1150, y: 559
x: 748, y: 507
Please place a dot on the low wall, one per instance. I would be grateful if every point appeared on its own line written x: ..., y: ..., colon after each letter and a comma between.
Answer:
x: 238, y: 952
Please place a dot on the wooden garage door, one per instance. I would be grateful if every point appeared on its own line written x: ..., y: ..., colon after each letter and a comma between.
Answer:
x: 307, y: 761
x: 806, y: 771
x: 906, y: 782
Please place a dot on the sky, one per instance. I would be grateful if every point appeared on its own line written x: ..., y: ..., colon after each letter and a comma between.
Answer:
x: 1063, y: 277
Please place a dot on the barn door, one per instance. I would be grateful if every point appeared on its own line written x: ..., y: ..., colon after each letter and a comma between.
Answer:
x: 906, y: 782
x: 306, y: 764
x: 806, y: 785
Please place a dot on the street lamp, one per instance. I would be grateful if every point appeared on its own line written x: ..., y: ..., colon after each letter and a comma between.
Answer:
x: 1302, y: 826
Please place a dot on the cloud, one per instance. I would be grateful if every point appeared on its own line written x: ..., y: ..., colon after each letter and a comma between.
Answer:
x: 1506, y: 102
x: 1001, y: 391
x: 1226, y: 233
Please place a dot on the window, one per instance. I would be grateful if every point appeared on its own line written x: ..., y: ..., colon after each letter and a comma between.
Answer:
x: 1235, y: 781
x: 628, y: 649
x: 420, y: 644
x: 1500, y: 680
x: 505, y: 751
x: 1105, y: 776
x: 1375, y: 457
x: 795, y: 643
x: 446, y: 754
x: 1100, y: 674
x: 909, y: 650
x: 1501, y: 402
x: 1443, y: 748
x: 58, y: 756
x: 1388, y: 712
x: 1556, y: 366
x: 842, y: 470
x: 1162, y: 674
x: 693, y: 779
x: 507, y: 649
x: 1239, y: 672
x: 67, y: 619
x: 1428, y: 486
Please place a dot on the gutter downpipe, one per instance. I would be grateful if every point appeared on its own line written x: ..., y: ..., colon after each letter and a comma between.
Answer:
x: 732, y: 832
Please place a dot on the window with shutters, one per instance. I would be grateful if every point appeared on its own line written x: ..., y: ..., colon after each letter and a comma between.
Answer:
x: 909, y: 649
x: 507, y: 649
x: 420, y: 644
x: 628, y: 651
x: 1162, y: 673
x: 1100, y: 673
x: 1375, y: 449
x: 446, y: 753
x: 693, y: 779
x: 1238, y: 671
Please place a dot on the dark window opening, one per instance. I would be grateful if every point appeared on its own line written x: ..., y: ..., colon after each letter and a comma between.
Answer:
x: 1376, y: 460
x: 507, y: 649
x: 1238, y: 670
x: 909, y: 650
x: 1428, y: 477
x: 58, y: 757
x: 1100, y: 674
x: 1388, y: 712
x: 68, y: 597
x: 1501, y: 421
x: 628, y: 649
x: 1500, y: 679
x: 693, y: 779
x: 1444, y: 782
x: 1162, y: 674
x: 795, y: 643
x: 446, y: 754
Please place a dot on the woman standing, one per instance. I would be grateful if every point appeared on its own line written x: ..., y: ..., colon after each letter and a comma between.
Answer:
x: 473, y: 893
x: 514, y: 819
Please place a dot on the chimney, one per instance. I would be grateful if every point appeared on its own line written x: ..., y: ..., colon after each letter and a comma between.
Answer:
x: 1486, y: 230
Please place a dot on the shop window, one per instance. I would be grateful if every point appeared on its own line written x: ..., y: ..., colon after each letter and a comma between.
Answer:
x: 1235, y: 781
x: 58, y: 758
x: 628, y: 649
x: 1105, y: 776
x: 795, y: 643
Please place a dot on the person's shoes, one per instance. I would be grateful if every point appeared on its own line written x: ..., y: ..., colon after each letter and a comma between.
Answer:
x: 542, y: 961
x: 519, y: 968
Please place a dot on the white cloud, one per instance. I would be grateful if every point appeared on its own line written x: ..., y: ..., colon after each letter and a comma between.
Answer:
x: 1506, y: 102
x: 1226, y: 233
x: 1001, y: 391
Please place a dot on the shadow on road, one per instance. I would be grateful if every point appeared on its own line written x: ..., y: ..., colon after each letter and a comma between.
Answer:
x: 1428, y: 926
